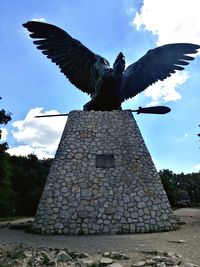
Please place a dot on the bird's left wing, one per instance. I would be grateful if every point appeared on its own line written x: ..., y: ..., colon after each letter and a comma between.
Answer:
x: 79, y: 64
x: 156, y: 64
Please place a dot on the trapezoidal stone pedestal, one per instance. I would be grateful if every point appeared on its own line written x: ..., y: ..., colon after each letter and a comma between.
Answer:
x: 103, y: 180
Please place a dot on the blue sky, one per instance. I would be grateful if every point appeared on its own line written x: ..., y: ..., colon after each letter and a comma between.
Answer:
x: 32, y: 85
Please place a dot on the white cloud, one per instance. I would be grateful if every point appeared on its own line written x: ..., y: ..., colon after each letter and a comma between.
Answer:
x: 170, y: 21
x: 24, y: 150
x: 37, y: 135
x: 39, y: 19
x: 4, y: 134
x: 164, y: 91
x: 197, y: 167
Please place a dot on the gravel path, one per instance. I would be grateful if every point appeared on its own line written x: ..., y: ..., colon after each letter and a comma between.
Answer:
x: 185, y: 241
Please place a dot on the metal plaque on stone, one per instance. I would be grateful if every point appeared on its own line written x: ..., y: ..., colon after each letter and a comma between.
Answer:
x: 105, y: 161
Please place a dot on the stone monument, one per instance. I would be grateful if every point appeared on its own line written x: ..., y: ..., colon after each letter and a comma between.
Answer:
x: 103, y: 180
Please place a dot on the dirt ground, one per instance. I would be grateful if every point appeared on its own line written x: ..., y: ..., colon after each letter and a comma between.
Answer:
x: 184, y: 241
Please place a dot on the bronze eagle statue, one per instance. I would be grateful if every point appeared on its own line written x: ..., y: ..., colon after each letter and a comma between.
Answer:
x: 91, y: 73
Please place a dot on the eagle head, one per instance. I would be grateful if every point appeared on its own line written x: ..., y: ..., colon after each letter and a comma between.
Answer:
x: 119, y: 64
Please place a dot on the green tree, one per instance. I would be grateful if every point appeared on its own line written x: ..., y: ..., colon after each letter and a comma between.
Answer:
x: 6, y: 192
x: 167, y: 178
x: 28, y: 176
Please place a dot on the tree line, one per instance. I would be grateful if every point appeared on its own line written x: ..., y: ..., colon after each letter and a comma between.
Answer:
x: 21, y: 183
x: 180, y: 185
x: 22, y: 180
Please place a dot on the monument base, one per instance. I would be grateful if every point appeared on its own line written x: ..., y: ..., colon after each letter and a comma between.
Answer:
x: 103, y: 180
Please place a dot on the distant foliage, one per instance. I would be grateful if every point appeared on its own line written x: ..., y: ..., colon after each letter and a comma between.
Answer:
x: 21, y: 179
x: 168, y: 184
x: 22, y: 183
x: 6, y: 192
x: 28, y: 176
x: 177, y: 185
x: 5, y: 117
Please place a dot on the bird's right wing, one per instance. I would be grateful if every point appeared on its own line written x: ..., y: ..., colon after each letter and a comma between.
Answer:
x: 156, y: 64
x: 79, y: 64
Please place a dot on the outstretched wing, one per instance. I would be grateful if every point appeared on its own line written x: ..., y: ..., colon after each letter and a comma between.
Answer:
x: 156, y: 64
x: 80, y: 65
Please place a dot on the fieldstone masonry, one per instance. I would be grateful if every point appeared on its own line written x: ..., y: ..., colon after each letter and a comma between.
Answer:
x: 103, y: 180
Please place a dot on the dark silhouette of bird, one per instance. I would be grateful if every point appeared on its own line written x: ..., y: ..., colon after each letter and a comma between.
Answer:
x: 91, y: 73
